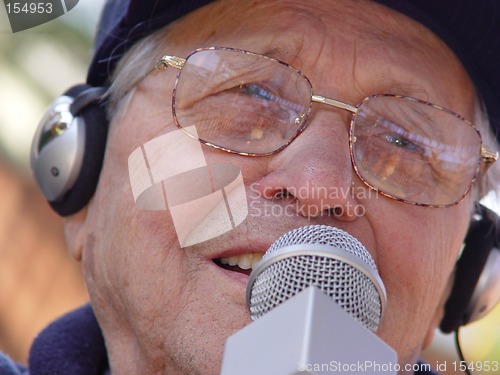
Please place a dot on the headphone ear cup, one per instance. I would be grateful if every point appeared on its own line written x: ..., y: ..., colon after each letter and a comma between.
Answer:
x: 465, y: 296
x: 93, y: 119
x: 67, y: 163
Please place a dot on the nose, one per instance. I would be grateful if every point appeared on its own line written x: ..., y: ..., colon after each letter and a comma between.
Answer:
x: 315, y: 170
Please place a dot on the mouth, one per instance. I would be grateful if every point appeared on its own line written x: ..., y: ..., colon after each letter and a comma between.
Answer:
x: 243, y: 263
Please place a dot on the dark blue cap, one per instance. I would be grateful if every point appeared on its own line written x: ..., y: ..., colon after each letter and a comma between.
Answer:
x: 471, y: 28
x: 124, y: 22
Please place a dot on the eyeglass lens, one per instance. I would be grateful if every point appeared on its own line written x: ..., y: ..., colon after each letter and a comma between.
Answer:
x: 251, y: 104
x: 414, y: 151
x: 240, y: 101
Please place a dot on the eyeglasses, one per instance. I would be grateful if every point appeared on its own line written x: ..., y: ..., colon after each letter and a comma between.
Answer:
x: 250, y: 104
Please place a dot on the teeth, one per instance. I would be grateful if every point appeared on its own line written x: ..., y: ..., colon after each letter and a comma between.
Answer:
x: 245, y: 261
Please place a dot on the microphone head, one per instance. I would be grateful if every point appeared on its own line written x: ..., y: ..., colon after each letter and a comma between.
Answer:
x: 325, y: 257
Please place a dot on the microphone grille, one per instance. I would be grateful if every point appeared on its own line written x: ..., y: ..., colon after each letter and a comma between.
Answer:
x: 325, y: 257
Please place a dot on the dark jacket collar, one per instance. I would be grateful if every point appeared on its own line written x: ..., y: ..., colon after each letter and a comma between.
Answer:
x: 72, y: 344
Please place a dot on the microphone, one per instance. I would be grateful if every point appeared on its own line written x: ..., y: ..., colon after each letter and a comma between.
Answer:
x: 316, y: 300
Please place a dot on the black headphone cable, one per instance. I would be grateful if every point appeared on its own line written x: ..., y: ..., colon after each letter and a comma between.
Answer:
x: 460, y: 352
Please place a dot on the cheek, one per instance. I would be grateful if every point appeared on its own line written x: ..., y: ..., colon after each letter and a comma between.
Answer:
x: 137, y: 270
x: 129, y: 253
x: 416, y: 251
x: 413, y: 264
x: 416, y: 241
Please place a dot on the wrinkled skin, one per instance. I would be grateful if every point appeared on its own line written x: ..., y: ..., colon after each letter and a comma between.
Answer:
x: 169, y: 310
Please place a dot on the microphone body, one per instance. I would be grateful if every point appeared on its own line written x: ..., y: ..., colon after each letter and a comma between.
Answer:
x: 307, y: 334
x: 317, y: 300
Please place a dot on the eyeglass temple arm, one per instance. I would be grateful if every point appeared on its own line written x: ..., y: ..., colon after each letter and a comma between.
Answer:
x: 488, y: 156
x: 169, y: 62
x: 162, y: 64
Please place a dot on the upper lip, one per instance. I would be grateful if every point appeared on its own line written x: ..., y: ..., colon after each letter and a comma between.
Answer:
x: 239, y: 250
x: 252, y: 236
x: 237, y: 242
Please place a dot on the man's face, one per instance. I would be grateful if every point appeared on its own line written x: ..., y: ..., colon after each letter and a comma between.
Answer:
x: 167, y: 309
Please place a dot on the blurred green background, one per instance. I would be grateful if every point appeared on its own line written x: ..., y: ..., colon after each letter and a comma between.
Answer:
x: 38, y: 279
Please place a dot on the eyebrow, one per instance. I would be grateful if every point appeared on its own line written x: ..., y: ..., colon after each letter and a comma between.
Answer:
x: 412, y: 90
x: 274, y: 53
x: 387, y: 86
x: 284, y: 51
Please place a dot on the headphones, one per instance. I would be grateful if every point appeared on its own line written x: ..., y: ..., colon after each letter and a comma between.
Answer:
x: 68, y: 148
x: 67, y: 155
x: 476, y: 288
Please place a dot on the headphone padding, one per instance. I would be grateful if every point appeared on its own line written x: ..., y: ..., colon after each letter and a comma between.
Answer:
x: 478, y: 244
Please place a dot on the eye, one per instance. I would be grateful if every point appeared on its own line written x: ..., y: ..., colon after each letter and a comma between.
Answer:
x: 256, y: 91
x: 401, y: 142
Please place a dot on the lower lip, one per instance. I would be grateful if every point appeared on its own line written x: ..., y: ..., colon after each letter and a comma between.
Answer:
x: 236, y: 276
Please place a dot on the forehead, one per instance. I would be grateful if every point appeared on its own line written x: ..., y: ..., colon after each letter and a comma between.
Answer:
x: 297, y: 23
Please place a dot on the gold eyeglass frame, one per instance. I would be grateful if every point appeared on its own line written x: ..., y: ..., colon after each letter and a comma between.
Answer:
x: 487, y: 155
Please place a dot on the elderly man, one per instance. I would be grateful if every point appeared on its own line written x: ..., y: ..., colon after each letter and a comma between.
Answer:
x: 377, y: 102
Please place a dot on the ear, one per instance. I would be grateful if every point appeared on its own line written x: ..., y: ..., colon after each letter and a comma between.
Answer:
x: 75, y: 231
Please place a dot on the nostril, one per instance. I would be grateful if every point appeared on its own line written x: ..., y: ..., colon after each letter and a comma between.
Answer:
x: 281, y: 194
x: 337, y: 211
